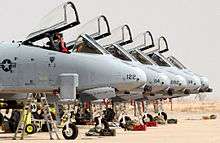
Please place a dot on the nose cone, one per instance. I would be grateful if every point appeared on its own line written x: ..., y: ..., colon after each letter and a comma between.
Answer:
x: 196, y: 82
x: 164, y: 80
x: 204, y: 82
x: 132, y: 78
x: 141, y: 76
x: 205, y: 85
x: 182, y: 82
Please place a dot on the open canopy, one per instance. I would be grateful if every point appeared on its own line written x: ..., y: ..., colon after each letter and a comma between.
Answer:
x: 59, y: 19
x: 97, y: 28
x: 142, y: 42
x: 162, y: 40
x: 120, y: 36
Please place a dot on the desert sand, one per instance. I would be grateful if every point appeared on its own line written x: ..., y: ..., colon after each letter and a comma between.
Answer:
x: 190, y: 128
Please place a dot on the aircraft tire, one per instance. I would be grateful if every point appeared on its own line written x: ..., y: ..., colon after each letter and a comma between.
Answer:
x: 72, y: 133
x: 164, y: 115
x: 127, y: 119
x: 149, y: 117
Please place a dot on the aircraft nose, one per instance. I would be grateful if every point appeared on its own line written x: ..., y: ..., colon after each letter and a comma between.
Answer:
x: 132, y: 78
x: 204, y: 82
x: 182, y: 81
x: 196, y: 82
x: 141, y: 76
x: 205, y: 85
x: 164, y: 80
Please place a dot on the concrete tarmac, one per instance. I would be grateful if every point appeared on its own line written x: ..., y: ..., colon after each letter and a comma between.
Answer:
x: 190, y: 129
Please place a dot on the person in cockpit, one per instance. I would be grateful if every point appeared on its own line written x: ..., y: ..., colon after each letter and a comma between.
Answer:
x: 59, y: 43
x: 79, y: 47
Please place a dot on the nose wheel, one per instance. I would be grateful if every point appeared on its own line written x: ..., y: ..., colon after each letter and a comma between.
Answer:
x: 70, y: 131
x: 147, y: 118
x: 164, y: 115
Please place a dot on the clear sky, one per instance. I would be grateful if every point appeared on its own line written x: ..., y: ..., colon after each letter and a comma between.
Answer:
x: 192, y: 27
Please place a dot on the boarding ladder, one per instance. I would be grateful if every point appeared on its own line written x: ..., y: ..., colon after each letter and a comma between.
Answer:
x: 51, y: 125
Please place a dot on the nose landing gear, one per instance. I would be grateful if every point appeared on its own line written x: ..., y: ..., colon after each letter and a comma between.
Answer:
x: 70, y: 131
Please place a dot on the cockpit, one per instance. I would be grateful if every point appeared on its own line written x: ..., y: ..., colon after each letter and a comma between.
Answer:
x: 119, y: 37
x: 116, y: 52
x: 86, y: 44
x: 140, y: 58
x: 95, y: 29
x: 175, y: 62
x: 157, y: 59
x: 48, y: 31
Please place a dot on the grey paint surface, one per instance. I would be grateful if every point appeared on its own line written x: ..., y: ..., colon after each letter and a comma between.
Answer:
x: 34, y: 72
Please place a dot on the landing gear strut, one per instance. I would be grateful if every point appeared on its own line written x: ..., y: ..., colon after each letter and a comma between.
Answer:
x: 68, y: 97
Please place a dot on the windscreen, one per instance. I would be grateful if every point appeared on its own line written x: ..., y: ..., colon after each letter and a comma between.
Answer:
x: 117, y: 53
x: 175, y: 62
x: 158, y: 60
x: 86, y: 44
x: 140, y: 58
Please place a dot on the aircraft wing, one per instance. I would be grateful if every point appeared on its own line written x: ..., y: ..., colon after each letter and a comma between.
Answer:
x: 136, y: 97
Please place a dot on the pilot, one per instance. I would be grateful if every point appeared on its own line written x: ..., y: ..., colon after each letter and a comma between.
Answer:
x: 79, y: 47
x: 59, y: 42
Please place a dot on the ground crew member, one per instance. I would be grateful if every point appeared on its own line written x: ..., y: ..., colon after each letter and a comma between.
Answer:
x: 52, y: 110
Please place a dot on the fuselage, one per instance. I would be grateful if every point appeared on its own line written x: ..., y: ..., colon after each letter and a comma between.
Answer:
x: 33, y: 69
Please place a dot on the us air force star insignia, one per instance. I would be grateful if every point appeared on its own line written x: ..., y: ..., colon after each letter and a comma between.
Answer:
x: 7, y: 65
x: 52, y: 59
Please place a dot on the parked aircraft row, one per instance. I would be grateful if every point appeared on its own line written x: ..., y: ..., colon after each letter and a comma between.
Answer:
x: 104, y: 59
